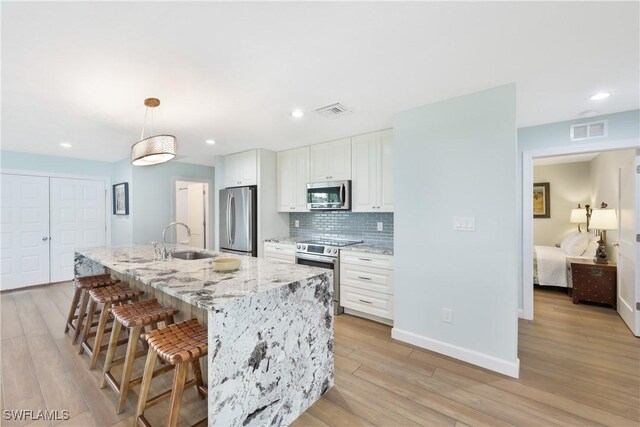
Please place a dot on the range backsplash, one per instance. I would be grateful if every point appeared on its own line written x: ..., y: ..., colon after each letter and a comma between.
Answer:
x: 343, y: 225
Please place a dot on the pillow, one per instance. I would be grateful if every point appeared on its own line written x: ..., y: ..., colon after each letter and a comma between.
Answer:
x: 567, y: 240
x: 577, y: 245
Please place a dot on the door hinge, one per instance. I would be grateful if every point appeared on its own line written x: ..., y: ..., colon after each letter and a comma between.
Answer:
x: 638, y: 238
x: 638, y: 169
x: 638, y: 306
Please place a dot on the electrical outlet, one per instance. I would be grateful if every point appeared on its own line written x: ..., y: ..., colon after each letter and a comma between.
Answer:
x: 464, y: 223
x: 380, y: 226
x: 447, y: 315
x: 297, y: 223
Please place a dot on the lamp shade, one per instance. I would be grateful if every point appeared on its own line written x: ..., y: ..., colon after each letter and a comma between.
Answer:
x: 153, y: 150
x: 578, y: 216
x: 604, y: 219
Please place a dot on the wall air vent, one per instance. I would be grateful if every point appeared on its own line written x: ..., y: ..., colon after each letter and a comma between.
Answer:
x: 334, y: 110
x: 590, y: 130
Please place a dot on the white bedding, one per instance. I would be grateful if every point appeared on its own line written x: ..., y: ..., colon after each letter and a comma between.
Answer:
x: 552, y: 266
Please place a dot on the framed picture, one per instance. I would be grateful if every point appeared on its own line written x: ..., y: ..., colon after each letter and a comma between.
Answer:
x: 541, y: 203
x: 121, y: 199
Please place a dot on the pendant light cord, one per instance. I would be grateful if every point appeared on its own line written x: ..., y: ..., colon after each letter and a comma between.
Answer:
x: 144, y: 123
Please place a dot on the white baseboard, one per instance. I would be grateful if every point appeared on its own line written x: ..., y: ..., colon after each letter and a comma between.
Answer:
x: 492, y: 363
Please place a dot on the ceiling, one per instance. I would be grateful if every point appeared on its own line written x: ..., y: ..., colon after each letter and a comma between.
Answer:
x: 570, y: 158
x: 78, y: 72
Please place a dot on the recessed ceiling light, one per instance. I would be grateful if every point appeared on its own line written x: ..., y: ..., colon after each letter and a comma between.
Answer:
x: 65, y: 145
x: 600, y: 96
x: 210, y: 141
x: 297, y: 114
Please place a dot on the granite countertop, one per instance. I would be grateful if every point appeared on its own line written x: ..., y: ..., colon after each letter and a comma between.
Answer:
x: 286, y: 240
x: 195, y: 281
x: 372, y: 248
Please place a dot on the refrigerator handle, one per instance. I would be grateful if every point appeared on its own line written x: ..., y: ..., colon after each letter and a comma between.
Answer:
x: 233, y: 219
x: 229, y: 218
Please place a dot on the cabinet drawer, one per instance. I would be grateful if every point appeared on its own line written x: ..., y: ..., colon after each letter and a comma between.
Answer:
x: 279, y: 257
x: 366, y: 259
x: 369, y: 302
x: 280, y: 252
x: 368, y: 278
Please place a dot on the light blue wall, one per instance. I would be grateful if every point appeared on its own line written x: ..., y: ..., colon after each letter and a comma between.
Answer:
x: 54, y: 164
x: 621, y: 126
x: 458, y: 158
x: 152, y: 204
x: 149, y: 188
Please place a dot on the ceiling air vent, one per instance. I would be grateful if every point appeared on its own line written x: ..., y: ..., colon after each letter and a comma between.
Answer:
x: 333, y: 110
x: 589, y: 130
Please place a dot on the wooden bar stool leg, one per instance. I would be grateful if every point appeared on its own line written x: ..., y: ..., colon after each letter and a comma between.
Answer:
x: 83, y: 310
x: 73, y: 308
x: 87, y: 324
x: 111, y: 352
x: 197, y: 374
x: 130, y: 357
x: 102, y: 325
x: 176, y: 394
x: 146, y: 383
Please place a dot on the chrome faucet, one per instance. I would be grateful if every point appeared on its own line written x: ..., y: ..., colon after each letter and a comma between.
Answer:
x: 164, y: 254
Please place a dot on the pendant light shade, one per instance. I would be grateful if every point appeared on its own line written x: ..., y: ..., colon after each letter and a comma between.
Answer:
x: 154, y: 149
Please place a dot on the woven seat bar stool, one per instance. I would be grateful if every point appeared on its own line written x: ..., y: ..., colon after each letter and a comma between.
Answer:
x: 181, y: 344
x: 136, y: 317
x: 108, y: 296
x: 80, y: 301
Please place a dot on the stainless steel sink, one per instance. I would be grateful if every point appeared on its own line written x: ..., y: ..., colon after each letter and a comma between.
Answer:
x: 192, y: 255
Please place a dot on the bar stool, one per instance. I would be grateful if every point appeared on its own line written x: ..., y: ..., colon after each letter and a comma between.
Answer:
x: 181, y: 344
x: 109, y: 295
x: 135, y: 316
x: 81, y: 287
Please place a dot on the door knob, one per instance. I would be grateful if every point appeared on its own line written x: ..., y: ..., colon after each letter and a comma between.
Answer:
x: 44, y: 239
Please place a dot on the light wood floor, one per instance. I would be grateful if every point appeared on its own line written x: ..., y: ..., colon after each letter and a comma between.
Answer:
x: 580, y: 365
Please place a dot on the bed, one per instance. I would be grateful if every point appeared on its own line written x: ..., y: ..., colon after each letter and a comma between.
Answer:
x: 551, y: 266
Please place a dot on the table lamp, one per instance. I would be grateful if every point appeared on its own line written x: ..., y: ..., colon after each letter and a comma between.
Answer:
x: 603, y: 219
x: 580, y: 215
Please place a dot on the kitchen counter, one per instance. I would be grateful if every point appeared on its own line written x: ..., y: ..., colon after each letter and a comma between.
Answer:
x: 285, y: 240
x: 270, y: 327
x: 372, y: 248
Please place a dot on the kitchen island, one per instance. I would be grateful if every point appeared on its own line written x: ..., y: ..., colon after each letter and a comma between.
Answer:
x: 270, y: 327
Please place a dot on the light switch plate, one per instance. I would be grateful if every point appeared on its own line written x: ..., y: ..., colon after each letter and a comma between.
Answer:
x: 297, y: 223
x: 447, y: 315
x: 464, y: 223
x: 380, y: 226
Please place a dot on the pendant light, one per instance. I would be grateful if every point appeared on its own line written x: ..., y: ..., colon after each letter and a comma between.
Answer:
x: 155, y: 149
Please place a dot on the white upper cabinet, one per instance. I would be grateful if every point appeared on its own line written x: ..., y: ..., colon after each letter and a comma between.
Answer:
x: 331, y: 161
x: 372, y: 167
x: 240, y: 169
x: 293, y: 176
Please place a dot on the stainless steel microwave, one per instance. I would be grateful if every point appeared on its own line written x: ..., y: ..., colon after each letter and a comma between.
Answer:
x: 333, y: 195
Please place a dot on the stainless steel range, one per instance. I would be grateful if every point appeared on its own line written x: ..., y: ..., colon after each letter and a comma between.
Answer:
x: 324, y: 253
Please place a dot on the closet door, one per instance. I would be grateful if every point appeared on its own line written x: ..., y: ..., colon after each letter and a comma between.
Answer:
x: 24, y: 240
x: 78, y: 210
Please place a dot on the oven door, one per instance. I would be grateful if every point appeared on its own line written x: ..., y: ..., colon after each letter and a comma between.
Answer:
x: 334, y: 195
x: 329, y: 264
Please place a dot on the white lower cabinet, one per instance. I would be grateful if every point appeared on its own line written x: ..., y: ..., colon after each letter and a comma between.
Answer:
x: 366, y: 283
x: 280, y: 252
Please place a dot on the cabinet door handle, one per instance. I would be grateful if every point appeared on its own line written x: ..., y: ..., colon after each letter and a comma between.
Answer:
x: 365, y: 259
x: 365, y: 301
x: 364, y: 278
x: 293, y: 208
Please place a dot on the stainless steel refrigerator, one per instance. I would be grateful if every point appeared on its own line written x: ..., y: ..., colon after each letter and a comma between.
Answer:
x: 238, y: 220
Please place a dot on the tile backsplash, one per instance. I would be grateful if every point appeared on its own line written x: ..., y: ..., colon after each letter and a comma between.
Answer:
x: 343, y: 225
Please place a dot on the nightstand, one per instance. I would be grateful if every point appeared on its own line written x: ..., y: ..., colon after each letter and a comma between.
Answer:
x: 594, y: 282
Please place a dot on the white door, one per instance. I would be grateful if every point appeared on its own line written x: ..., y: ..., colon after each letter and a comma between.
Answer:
x: 301, y: 179
x: 385, y: 191
x: 24, y: 239
x: 341, y: 159
x: 628, y: 251
x: 364, y: 162
x: 78, y: 209
x: 286, y: 180
x: 320, y: 166
x: 196, y: 215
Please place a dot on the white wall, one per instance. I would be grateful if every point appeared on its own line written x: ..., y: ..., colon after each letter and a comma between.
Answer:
x: 605, y: 186
x: 458, y: 158
x: 570, y: 184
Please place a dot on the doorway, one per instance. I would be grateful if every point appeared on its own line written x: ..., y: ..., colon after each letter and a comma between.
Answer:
x: 628, y: 208
x: 191, y: 207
